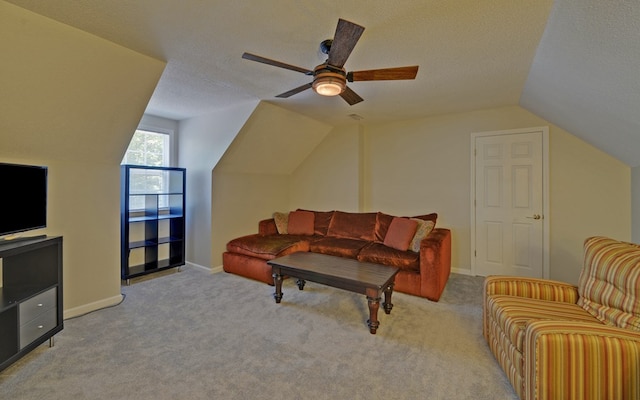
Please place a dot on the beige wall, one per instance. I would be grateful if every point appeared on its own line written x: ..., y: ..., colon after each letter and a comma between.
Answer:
x: 252, y: 179
x: 329, y: 179
x: 71, y: 101
x: 635, y: 204
x: 590, y: 195
x: 203, y: 141
x: 421, y: 166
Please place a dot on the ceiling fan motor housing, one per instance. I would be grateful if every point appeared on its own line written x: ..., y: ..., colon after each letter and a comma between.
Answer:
x: 325, y: 46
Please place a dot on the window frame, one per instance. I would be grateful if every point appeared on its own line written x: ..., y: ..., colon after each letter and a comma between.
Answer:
x: 150, y: 126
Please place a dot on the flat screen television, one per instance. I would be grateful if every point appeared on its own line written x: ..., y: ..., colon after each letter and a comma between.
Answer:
x: 23, y: 198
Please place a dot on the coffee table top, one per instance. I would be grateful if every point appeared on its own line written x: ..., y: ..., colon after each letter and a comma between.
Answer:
x: 320, y: 267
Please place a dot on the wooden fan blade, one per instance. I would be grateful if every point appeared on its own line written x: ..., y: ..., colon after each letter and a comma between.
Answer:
x: 385, y: 74
x: 253, y: 57
x: 345, y: 39
x: 294, y: 91
x: 350, y: 96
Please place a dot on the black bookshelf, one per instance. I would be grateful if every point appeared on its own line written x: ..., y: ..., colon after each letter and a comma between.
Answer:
x: 152, y: 214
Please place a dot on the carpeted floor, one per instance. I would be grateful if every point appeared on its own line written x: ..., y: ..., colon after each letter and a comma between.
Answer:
x: 197, y: 335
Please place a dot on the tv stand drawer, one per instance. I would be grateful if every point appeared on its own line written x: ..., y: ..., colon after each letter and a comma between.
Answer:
x: 36, y: 305
x: 37, y: 327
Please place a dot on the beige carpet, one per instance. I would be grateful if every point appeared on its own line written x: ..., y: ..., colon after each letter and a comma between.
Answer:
x: 197, y: 335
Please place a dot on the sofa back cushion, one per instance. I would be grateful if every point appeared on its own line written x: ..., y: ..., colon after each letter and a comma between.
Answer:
x: 352, y: 225
x: 428, y: 217
x: 321, y: 221
x: 300, y: 223
x: 609, y: 285
x: 383, y: 221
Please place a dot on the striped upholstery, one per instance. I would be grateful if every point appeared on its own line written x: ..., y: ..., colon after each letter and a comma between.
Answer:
x: 612, y: 293
x: 513, y: 314
x: 554, y: 344
x: 578, y: 361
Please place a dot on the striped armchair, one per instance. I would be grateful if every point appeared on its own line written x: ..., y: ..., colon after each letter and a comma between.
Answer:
x: 558, y: 341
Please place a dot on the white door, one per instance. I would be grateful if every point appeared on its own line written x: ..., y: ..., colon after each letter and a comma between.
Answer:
x: 508, y: 203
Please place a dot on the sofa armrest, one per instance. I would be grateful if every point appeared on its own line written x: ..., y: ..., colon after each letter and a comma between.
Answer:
x: 576, y: 360
x: 533, y: 288
x: 267, y: 227
x: 435, y: 263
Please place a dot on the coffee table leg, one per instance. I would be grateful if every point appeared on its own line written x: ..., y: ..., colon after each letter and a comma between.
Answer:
x: 387, y: 299
x: 374, y: 304
x: 277, y: 281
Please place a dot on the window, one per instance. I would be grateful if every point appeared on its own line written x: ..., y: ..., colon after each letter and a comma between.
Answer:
x: 149, y: 148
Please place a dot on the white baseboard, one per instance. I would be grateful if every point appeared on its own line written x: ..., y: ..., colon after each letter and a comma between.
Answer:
x: 213, y: 270
x: 461, y: 271
x: 217, y: 269
x: 112, y: 301
x: 96, y: 305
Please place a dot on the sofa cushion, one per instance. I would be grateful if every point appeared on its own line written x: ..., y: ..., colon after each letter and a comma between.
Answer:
x: 352, y: 225
x: 321, y: 221
x: 400, y: 233
x: 300, y: 223
x: 424, y: 229
x: 341, y: 247
x: 378, y: 253
x: 268, y: 247
x: 282, y: 222
x: 513, y: 313
x: 609, y: 284
x: 382, y: 226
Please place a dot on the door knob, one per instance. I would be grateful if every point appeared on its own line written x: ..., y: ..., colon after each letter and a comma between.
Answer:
x: 535, y: 216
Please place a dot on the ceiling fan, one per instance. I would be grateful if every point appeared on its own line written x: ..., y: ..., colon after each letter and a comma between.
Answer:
x: 330, y: 78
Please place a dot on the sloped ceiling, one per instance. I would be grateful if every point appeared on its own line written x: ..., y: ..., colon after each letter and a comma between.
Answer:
x: 585, y: 77
x: 573, y: 62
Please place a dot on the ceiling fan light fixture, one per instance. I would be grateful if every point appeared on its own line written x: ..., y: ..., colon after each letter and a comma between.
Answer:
x: 329, y: 83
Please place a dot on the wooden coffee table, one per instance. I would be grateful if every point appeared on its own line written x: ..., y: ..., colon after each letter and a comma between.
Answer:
x: 344, y: 273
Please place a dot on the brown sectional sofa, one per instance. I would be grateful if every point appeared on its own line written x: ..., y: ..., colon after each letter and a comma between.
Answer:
x: 374, y: 237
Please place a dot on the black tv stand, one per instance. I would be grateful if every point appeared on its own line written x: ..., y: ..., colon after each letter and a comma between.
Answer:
x: 31, y: 310
x: 21, y: 239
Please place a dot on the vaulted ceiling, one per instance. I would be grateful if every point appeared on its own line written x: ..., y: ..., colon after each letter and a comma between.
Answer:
x: 572, y: 62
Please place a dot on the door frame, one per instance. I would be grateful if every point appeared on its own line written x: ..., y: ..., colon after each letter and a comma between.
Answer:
x: 545, y: 191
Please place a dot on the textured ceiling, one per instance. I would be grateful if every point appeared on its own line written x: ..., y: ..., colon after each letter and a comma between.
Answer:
x: 472, y: 54
x: 585, y: 77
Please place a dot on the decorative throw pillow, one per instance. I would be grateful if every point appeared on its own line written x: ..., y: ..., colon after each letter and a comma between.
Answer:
x: 282, y: 220
x: 400, y: 233
x: 300, y: 223
x: 424, y: 229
